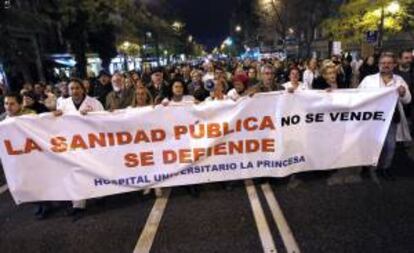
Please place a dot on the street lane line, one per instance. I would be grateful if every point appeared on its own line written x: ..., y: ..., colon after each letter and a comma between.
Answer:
x: 146, y: 239
x: 287, y: 235
x: 3, y: 188
x: 261, y: 223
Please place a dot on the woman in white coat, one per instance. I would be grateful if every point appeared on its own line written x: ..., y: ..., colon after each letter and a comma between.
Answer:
x: 78, y: 101
x: 398, y: 130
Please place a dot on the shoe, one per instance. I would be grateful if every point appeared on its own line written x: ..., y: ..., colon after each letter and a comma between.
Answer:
x: 76, y: 213
x: 41, y: 213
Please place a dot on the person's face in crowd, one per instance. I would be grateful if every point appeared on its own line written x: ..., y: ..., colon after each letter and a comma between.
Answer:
x: 157, y: 78
x: 196, y: 77
x: 239, y: 86
x: 178, y: 89
x: 209, y: 67
x: 218, y: 73
x: 267, y: 76
x: 370, y: 60
x: 49, y: 89
x: 27, y: 101
x: 313, y: 64
x: 105, y: 80
x: 11, y: 106
x: 252, y: 73
x: 141, y: 97
x: 294, y: 76
x: 386, y: 65
x: 23, y: 91
x: 87, y: 85
x: 63, y: 89
x: 186, y: 71
x: 129, y: 82
x: 139, y: 84
x: 239, y: 71
x: 278, y: 64
x: 118, y: 82
x: 38, y: 89
x: 330, y: 75
x: 76, y: 91
x: 135, y: 77
x: 218, y: 91
x: 335, y: 59
x: 28, y: 86
x: 406, y: 59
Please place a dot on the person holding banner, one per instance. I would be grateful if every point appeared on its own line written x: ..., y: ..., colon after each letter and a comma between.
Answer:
x: 398, y: 130
x: 142, y: 98
x: 240, y: 83
x: 120, y: 97
x: 78, y: 101
x: 13, y: 105
x: 177, y: 95
x: 218, y: 91
x: 329, y: 78
x: 267, y: 83
x: 294, y: 83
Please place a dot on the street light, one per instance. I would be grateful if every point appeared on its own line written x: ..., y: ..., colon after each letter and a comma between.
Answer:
x: 177, y: 26
x: 228, y: 42
x: 238, y: 28
x: 393, y: 7
x: 126, y: 44
x: 149, y: 34
x: 190, y: 38
x: 7, y: 4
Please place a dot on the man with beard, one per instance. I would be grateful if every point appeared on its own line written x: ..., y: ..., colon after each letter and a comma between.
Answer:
x: 387, y: 79
x: 121, y: 97
x: 405, y: 70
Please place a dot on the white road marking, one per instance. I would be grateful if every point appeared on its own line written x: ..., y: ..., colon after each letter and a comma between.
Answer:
x: 3, y: 188
x: 261, y: 223
x: 146, y: 239
x: 287, y: 235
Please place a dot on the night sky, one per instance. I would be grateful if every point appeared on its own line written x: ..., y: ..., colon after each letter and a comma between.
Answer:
x: 206, y: 20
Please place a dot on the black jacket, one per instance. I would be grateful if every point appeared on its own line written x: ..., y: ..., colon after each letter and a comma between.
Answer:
x: 320, y: 84
x: 101, y: 91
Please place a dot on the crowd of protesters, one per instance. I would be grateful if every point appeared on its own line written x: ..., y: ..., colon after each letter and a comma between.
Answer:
x: 220, y: 80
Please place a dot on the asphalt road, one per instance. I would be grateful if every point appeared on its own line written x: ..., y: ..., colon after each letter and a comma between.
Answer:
x: 364, y: 216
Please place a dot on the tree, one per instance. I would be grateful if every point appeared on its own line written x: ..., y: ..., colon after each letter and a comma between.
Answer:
x: 21, y: 55
x: 296, y: 19
x: 357, y: 17
x: 309, y: 16
x: 277, y: 15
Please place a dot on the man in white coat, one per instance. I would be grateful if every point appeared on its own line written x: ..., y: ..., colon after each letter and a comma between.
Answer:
x: 78, y: 101
x: 398, y: 130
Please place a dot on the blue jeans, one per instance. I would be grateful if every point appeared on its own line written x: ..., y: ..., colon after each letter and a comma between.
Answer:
x: 388, y: 150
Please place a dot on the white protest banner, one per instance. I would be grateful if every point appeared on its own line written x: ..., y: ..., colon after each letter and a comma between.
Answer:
x: 76, y: 157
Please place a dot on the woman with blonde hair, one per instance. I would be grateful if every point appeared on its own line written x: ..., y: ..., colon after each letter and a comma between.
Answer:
x: 142, y: 98
x: 329, y: 77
